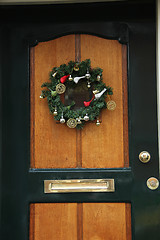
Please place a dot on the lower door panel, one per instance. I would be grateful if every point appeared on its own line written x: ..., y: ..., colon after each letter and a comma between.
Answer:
x: 77, y: 221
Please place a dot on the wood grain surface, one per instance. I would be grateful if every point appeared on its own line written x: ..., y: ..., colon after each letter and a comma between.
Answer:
x: 52, y: 145
x: 102, y: 147
x: 104, y: 221
x: 99, y: 221
x: 56, y: 221
x: 105, y: 146
x: 78, y: 132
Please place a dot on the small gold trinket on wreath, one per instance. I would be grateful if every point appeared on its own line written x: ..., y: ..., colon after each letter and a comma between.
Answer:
x: 67, y: 78
x: 111, y: 105
x: 60, y: 88
x: 72, y: 123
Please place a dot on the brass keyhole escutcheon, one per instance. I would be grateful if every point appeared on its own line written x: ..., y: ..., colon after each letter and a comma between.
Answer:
x: 144, y: 157
x: 152, y: 183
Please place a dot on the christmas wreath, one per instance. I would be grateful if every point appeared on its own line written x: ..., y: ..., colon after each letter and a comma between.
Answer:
x: 68, y: 84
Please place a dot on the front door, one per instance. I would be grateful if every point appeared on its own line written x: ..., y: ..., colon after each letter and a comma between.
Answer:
x: 54, y: 177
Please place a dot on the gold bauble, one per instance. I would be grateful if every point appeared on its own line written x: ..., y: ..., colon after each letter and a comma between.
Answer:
x: 60, y: 88
x: 111, y: 105
x: 72, y: 123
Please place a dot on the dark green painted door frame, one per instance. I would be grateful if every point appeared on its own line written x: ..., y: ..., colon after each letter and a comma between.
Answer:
x: 130, y: 22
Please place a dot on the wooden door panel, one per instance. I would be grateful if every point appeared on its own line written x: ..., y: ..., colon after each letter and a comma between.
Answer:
x: 103, y: 147
x: 53, y: 221
x: 50, y: 141
x: 55, y: 145
x: 106, y: 221
x: 94, y: 221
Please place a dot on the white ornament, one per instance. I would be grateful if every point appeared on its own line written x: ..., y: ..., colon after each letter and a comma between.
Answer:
x: 86, y: 117
x: 98, y: 95
x: 79, y: 120
x: 62, y: 120
x: 98, y: 123
x: 88, y: 84
x: 98, y: 78
x: 54, y: 74
x: 95, y: 91
x: 40, y: 96
x: 88, y: 75
x: 76, y: 79
x: 70, y: 78
x: 55, y: 111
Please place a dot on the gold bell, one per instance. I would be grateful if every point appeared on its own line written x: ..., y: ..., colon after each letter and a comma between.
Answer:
x: 62, y: 120
x: 98, y: 122
x: 88, y: 75
x: 76, y: 68
x: 70, y: 78
x: 88, y: 84
x: 55, y: 112
x: 86, y: 117
x: 98, y: 77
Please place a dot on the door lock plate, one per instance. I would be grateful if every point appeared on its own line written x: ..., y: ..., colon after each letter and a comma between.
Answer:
x: 79, y: 185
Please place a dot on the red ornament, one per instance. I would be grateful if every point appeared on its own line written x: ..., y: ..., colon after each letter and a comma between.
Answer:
x: 86, y: 104
x: 64, y: 78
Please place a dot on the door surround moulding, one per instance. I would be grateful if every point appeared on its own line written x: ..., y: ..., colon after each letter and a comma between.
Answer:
x: 24, y: 2
x: 158, y: 72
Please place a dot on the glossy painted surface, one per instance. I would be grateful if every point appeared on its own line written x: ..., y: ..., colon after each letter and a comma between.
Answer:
x: 19, y: 185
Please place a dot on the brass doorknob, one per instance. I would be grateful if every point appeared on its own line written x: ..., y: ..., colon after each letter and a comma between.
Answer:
x: 144, y: 157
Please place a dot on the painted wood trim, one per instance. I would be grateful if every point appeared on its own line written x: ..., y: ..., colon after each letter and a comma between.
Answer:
x: 111, y: 30
x: 158, y: 72
x: 24, y: 2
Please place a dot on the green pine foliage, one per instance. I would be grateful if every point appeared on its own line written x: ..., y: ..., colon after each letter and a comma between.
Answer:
x: 54, y: 99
